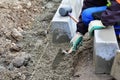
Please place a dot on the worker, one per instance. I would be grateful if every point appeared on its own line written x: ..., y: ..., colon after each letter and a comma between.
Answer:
x: 101, y: 13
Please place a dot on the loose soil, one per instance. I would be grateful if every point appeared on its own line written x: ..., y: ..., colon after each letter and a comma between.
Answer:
x: 39, y: 58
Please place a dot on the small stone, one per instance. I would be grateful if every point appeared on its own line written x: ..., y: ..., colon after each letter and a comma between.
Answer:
x: 2, y: 5
x: 21, y: 60
x: 39, y: 43
x: 42, y: 7
x: 41, y: 33
x: 2, y: 68
x: 10, y: 67
x: 76, y: 75
x: 16, y: 34
x: 18, y: 62
x: 20, y: 29
x: 49, y: 5
x: 15, y: 47
x: 1, y: 51
x: 18, y: 7
x: 7, y: 33
x: 23, y: 77
x: 29, y: 4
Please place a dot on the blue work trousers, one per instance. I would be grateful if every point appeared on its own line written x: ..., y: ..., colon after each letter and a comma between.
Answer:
x: 87, y: 13
x: 87, y: 16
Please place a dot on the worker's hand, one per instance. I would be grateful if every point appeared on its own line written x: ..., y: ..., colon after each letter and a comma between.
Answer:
x: 76, y: 42
x: 95, y: 25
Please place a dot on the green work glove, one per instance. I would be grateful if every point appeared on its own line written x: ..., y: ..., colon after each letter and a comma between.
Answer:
x: 95, y: 25
x: 76, y: 41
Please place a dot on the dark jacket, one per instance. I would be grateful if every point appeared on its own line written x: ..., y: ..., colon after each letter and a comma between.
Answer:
x: 94, y: 3
x: 108, y: 17
x: 112, y: 14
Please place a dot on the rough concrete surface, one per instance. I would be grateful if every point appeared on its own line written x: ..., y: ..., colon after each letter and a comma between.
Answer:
x: 104, y: 49
x: 115, y: 72
x: 32, y: 19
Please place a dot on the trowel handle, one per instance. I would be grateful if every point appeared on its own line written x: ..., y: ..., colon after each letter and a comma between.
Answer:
x: 73, y: 17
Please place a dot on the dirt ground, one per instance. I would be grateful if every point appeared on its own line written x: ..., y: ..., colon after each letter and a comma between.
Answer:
x: 26, y: 48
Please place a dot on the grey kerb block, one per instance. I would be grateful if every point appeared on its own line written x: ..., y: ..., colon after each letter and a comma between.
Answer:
x: 105, y: 46
x: 115, y: 72
x: 64, y: 28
